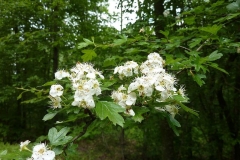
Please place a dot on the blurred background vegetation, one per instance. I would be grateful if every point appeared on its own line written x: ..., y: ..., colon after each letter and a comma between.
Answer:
x: 37, y: 37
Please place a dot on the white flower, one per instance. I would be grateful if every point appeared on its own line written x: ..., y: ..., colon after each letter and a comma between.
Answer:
x: 130, y: 112
x: 166, y: 13
x: 127, y: 69
x: 61, y: 74
x: 181, y: 91
x: 143, y: 85
x: 155, y: 57
x: 131, y: 99
x: 152, y: 66
x: 23, y: 145
x: 41, y: 152
x: 173, y: 110
x: 56, y: 90
x: 84, y: 101
x: 55, y: 102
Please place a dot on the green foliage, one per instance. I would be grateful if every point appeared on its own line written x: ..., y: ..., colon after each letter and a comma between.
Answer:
x: 111, y: 110
x: 201, y: 42
x: 11, y: 151
x: 58, y: 138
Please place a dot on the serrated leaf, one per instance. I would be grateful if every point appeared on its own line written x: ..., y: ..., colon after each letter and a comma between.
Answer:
x: 214, y: 56
x: 88, y: 55
x: 49, y: 116
x: 138, y: 113
x: 58, y: 138
x: 211, y: 29
x: 198, y: 78
x: 188, y: 109
x: 111, y: 110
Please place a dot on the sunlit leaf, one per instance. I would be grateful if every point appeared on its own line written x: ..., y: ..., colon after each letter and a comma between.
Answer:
x: 211, y: 29
x: 88, y: 55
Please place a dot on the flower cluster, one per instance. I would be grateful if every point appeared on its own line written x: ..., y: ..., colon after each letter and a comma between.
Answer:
x: 125, y: 99
x: 127, y: 69
x: 56, y: 92
x: 39, y: 152
x: 84, y: 82
x: 152, y: 82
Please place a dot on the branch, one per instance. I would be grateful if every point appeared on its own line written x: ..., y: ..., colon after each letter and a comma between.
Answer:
x: 88, y: 123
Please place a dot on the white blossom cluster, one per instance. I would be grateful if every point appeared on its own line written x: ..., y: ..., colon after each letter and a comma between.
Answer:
x: 152, y: 79
x: 39, y: 152
x: 125, y: 99
x: 127, y: 69
x: 84, y: 82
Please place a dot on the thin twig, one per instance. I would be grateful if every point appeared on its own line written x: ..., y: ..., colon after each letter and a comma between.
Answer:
x: 185, y: 48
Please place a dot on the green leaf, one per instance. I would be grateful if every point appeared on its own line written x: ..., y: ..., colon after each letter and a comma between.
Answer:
x: 132, y: 51
x: 49, y: 83
x: 88, y: 55
x: 174, y: 121
x: 195, y: 42
x: 57, y: 150
x: 118, y: 42
x: 188, y: 109
x: 4, y: 152
x: 111, y: 110
x: 49, y: 116
x: 189, y: 20
x: 82, y: 45
x: 34, y: 100
x: 165, y: 33
x: 109, y: 62
x: 214, y: 56
x: 138, y: 113
x: 233, y: 7
x: 178, y: 98
x: 211, y: 29
x: 58, y: 138
x: 173, y: 124
x: 214, y: 65
x: 198, y: 78
x: 88, y: 41
x: 20, y: 95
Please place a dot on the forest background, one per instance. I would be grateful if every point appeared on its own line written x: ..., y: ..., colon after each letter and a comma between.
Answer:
x: 199, y: 40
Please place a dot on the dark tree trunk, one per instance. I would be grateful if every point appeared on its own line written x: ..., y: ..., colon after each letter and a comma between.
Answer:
x: 159, y: 19
x: 167, y: 135
x: 167, y: 138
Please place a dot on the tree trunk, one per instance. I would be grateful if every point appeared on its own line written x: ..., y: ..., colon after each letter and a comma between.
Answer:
x: 167, y: 138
